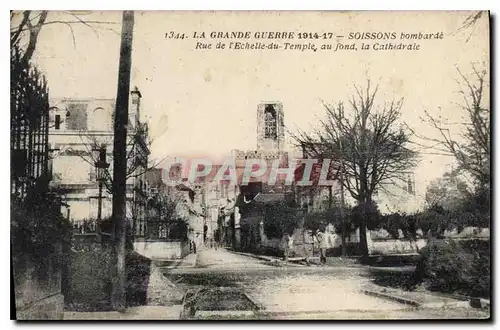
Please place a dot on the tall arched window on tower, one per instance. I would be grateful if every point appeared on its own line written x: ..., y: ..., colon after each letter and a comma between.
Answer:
x: 270, y: 122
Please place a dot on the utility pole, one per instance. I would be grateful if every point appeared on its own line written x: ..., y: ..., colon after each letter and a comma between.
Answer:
x: 118, y: 298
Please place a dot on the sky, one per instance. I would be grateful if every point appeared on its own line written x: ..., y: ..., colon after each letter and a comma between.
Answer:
x: 204, y: 102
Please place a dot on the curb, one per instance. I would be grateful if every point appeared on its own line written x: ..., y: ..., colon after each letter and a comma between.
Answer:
x: 270, y: 313
x: 393, y: 298
x: 468, y: 303
x: 474, y: 302
x: 273, y: 261
x: 193, y: 313
x: 256, y: 256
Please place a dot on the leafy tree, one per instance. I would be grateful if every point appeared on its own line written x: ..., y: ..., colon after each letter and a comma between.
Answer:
x: 392, y: 223
x: 367, y: 214
x: 447, y: 192
x: 280, y: 218
x: 164, y: 220
x: 334, y: 215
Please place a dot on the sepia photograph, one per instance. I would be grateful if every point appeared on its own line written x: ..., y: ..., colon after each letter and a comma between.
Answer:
x: 250, y: 165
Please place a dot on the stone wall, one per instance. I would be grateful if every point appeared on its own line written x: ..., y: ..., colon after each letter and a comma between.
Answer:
x: 162, y: 249
x: 395, y: 246
x: 301, y: 246
x: 37, y: 286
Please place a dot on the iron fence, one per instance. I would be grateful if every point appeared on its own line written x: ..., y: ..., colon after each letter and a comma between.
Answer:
x: 29, y: 125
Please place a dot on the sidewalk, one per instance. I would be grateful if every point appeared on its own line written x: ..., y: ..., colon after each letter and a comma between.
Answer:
x: 131, y: 313
x: 161, y: 291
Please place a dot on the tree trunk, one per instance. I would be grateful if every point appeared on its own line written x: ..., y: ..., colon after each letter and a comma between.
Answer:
x: 365, y: 205
x: 119, y: 277
x: 363, y: 244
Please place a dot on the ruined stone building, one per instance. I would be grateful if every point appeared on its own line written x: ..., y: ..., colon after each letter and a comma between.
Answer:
x: 268, y: 187
x: 81, y: 134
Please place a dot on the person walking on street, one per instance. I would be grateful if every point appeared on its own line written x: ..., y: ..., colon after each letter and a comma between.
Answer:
x: 322, y: 246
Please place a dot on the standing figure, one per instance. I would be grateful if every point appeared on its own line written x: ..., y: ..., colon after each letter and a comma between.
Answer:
x: 322, y: 246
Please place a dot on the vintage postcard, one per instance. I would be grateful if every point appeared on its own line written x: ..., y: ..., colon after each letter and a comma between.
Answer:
x: 271, y: 165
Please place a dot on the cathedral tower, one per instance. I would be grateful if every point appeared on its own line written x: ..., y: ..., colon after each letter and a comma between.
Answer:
x: 270, y: 126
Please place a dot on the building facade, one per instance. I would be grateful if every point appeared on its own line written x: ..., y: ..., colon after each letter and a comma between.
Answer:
x: 81, y: 135
x: 401, y: 195
x: 218, y: 203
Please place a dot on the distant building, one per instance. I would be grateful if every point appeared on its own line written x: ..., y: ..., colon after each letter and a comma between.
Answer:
x: 208, y: 203
x: 270, y: 146
x: 190, y: 207
x: 401, y: 195
x: 81, y: 132
x: 219, y: 200
x: 316, y: 197
x: 264, y: 189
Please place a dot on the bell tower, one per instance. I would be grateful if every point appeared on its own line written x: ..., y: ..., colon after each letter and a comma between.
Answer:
x: 270, y: 126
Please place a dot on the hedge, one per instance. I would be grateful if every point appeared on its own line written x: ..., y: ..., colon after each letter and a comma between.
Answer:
x: 455, y: 267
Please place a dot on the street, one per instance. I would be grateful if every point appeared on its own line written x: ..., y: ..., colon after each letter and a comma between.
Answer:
x: 293, y: 291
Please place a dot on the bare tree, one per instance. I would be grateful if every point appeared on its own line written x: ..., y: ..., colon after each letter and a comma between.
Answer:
x: 470, y: 23
x: 26, y: 27
x: 138, y: 149
x: 472, y: 147
x: 369, y: 147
